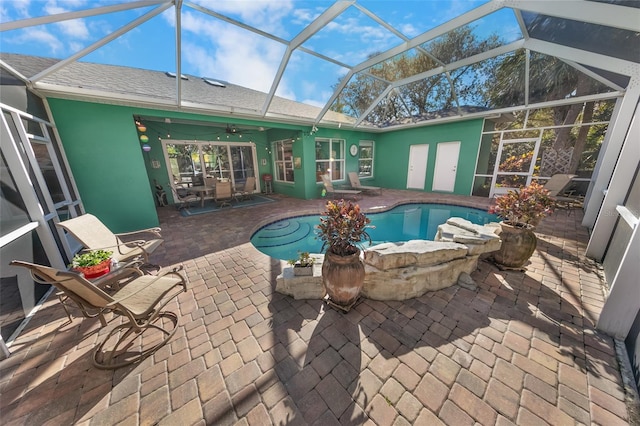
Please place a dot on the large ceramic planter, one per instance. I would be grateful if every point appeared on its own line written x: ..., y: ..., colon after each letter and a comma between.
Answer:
x: 343, y: 278
x: 518, y: 244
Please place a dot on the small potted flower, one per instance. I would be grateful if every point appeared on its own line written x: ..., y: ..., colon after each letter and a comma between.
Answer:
x: 342, y: 230
x: 521, y: 211
x: 303, y: 265
x: 92, y: 263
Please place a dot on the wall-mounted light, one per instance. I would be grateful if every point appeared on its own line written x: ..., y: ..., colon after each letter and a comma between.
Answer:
x: 144, y: 138
x: 146, y: 147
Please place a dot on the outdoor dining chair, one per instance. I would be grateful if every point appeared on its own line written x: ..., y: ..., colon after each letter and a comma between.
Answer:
x: 247, y: 192
x: 183, y: 200
x: 224, y: 194
x: 140, y: 303
x: 94, y: 235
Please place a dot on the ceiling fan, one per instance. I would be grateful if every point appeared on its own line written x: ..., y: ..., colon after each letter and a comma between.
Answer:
x: 231, y: 129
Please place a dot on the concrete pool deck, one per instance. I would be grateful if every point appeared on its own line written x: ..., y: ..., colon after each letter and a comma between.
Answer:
x: 521, y: 349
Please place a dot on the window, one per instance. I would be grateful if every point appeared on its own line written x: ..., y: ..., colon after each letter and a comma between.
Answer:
x: 283, y: 159
x: 365, y: 159
x: 329, y: 158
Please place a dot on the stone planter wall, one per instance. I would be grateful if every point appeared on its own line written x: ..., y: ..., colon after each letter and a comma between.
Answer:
x: 400, y: 271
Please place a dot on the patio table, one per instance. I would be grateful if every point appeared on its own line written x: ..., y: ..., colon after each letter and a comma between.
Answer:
x: 202, y: 191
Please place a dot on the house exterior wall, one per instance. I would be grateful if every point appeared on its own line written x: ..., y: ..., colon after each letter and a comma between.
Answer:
x: 101, y: 144
x: 116, y: 181
x: 392, y: 153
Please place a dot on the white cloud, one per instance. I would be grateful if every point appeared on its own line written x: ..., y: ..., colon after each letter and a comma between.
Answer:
x: 19, y: 7
x: 73, y: 28
x: 409, y: 30
x: 41, y: 37
x: 231, y: 54
x: 267, y: 15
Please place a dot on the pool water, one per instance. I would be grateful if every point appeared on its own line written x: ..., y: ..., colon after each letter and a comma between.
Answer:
x: 285, y: 238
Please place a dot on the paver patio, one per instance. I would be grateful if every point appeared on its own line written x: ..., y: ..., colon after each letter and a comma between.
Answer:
x: 521, y: 349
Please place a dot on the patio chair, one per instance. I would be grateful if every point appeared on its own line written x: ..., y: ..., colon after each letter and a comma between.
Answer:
x: 355, y: 183
x: 336, y: 192
x: 224, y: 194
x: 94, y: 235
x: 247, y: 192
x: 183, y: 199
x: 140, y: 303
x: 557, y: 186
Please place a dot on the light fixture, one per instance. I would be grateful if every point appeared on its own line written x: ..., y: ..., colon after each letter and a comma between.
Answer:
x: 144, y: 138
x: 142, y: 128
x: 146, y: 147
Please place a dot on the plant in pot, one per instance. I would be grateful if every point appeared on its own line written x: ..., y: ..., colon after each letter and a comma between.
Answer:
x: 92, y: 263
x: 342, y: 230
x: 303, y: 265
x: 521, y: 211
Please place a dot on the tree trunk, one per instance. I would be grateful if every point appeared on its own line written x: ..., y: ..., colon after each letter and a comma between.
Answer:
x: 581, y: 141
x: 562, y: 134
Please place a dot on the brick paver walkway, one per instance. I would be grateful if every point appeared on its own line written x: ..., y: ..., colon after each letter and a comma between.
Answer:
x: 521, y: 349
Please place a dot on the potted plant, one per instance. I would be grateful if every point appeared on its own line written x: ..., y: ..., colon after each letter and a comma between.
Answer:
x: 303, y: 265
x: 521, y: 211
x: 92, y: 263
x: 342, y: 229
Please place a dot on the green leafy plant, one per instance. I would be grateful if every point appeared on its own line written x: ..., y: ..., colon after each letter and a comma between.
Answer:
x: 343, y: 228
x: 90, y: 258
x: 525, y: 207
x: 304, y: 259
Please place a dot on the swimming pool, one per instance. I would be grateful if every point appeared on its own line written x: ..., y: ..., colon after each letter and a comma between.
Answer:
x: 283, y: 239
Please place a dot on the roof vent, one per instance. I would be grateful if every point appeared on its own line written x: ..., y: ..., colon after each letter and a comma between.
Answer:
x: 214, y: 82
x: 173, y: 74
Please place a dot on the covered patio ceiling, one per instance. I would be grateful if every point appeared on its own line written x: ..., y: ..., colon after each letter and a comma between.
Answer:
x: 494, y: 57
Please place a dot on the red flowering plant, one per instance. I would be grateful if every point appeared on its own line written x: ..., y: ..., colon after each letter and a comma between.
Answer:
x: 525, y: 207
x: 343, y: 228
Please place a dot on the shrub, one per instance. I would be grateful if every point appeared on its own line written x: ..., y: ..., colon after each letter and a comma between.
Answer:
x: 343, y: 228
x: 524, y: 207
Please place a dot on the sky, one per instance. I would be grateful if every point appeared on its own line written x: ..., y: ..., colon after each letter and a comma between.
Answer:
x: 215, y: 49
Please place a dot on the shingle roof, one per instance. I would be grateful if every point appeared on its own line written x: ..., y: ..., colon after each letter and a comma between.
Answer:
x: 158, y: 86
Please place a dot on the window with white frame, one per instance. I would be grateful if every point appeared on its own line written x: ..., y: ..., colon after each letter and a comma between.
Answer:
x: 365, y: 159
x: 329, y: 158
x: 283, y: 160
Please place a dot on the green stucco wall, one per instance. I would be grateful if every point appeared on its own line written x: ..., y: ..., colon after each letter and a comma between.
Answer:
x: 392, y: 153
x: 104, y: 154
x: 116, y: 181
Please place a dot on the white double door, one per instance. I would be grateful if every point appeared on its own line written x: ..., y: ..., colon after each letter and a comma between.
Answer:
x: 445, y: 171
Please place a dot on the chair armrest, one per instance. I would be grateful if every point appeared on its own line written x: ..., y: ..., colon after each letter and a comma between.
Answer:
x: 129, y: 244
x: 155, y: 231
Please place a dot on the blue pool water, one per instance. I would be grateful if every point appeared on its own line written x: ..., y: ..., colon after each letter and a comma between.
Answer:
x: 285, y: 238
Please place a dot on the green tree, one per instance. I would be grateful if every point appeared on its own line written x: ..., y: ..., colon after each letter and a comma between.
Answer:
x: 429, y: 95
x: 549, y: 79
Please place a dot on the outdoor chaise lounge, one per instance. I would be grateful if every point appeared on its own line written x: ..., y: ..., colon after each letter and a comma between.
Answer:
x: 93, y: 235
x: 141, y: 302
x: 336, y: 192
x: 355, y: 184
x: 557, y: 186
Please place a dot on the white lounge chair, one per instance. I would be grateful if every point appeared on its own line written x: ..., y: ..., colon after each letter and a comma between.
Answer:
x: 338, y: 193
x: 355, y: 184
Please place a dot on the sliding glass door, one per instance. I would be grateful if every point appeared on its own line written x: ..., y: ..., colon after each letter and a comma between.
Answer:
x: 189, y: 162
